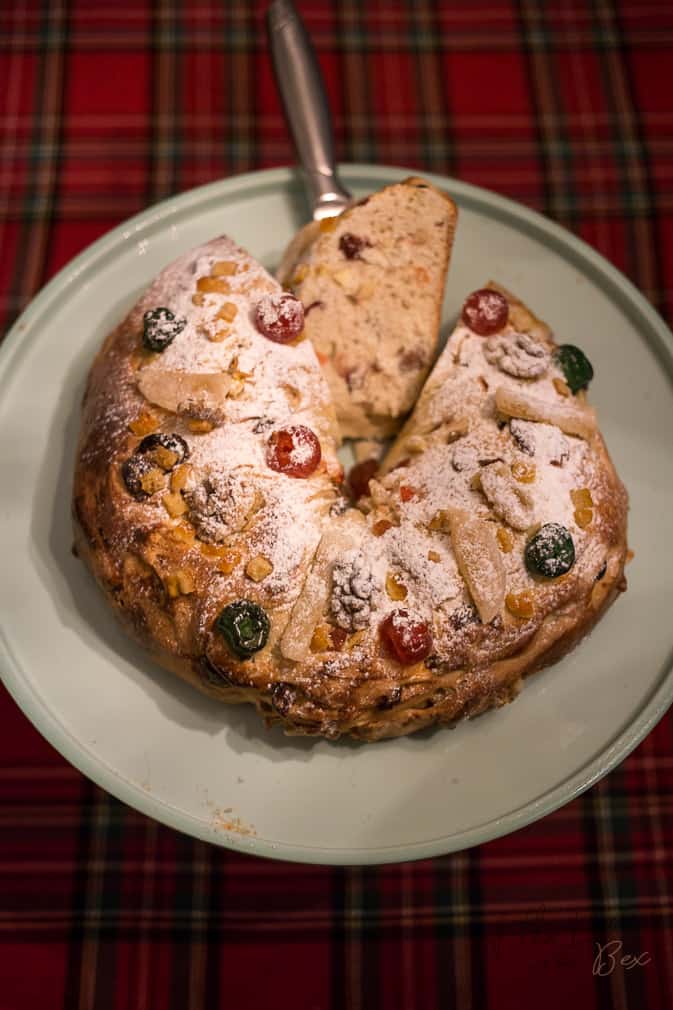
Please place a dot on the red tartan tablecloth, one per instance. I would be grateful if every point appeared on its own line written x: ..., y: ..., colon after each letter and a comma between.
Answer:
x: 106, y: 107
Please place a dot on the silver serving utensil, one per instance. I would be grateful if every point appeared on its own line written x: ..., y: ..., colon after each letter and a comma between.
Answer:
x: 304, y: 99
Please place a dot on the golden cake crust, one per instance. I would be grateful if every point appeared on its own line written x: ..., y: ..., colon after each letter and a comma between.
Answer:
x: 168, y: 586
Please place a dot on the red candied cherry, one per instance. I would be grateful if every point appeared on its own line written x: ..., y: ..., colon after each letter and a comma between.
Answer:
x: 485, y: 311
x: 279, y: 317
x: 293, y: 451
x: 360, y: 475
x: 407, y: 639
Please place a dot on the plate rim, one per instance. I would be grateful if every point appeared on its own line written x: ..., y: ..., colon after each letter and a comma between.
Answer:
x: 617, y: 286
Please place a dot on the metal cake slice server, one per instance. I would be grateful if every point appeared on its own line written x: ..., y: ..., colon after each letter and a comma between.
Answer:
x: 307, y: 112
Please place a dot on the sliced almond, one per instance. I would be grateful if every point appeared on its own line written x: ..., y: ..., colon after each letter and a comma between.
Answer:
x: 479, y: 562
x: 509, y: 500
x: 345, y: 532
x: 571, y: 419
x: 170, y: 389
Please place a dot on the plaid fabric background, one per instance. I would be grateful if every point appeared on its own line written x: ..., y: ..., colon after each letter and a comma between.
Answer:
x: 106, y: 107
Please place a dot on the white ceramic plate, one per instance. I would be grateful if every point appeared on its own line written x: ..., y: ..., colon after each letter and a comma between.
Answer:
x: 214, y: 771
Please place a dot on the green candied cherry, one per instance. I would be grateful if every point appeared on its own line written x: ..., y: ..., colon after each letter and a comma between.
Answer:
x: 551, y: 552
x: 576, y: 367
x: 160, y: 328
x: 244, y: 627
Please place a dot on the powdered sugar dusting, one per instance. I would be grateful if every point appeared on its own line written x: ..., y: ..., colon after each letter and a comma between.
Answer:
x: 443, y: 476
x: 406, y: 546
x: 232, y: 491
x: 279, y: 317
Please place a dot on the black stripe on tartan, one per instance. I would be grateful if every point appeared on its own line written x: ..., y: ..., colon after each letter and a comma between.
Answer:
x: 600, y: 915
x: 359, y: 145
x: 526, y: 47
x: 337, y: 981
x: 78, y: 900
x: 37, y: 207
x: 446, y: 931
x: 477, y: 931
x: 163, y: 155
x: 86, y: 978
x: 372, y: 881
x: 181, y: 935
x: 639, y: 148
x: 110, y: 901
x: 215, y: 950
x: 635, y: 196
x: 555, y: 148
x: 438, y: 146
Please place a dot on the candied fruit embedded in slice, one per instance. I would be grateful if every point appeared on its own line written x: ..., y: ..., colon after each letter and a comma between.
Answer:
x: 485, y: 311
x: 360, y: 475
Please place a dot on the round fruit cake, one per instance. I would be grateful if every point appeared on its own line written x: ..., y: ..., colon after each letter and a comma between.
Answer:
x: 210, y: 505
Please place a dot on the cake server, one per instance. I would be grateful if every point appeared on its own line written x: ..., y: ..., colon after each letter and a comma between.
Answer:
x: 304, y: 99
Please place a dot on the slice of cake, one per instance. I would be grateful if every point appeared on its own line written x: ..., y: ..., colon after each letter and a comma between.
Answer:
x: 372, y: 283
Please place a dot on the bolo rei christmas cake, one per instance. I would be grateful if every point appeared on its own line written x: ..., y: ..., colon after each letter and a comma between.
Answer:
x: 211, y: 506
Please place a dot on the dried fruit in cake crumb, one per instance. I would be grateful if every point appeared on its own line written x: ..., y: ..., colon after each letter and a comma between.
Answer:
x: 133, y: 471
x: 360, y: 475
x: 244, y: 625
x: 407, y: 638
x: 160, y: 328
x: 576, y: 367
x: 551, y: 552
x: 521, y: 605
x: 165, y: 450
x: 395, y: 588
x: 352, y: 245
